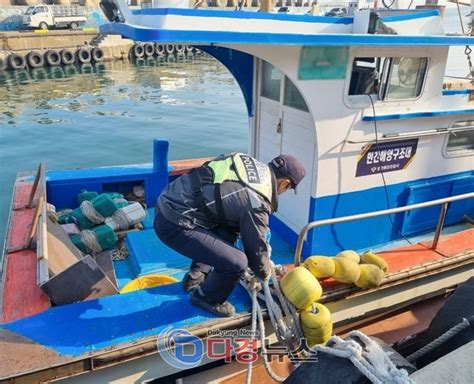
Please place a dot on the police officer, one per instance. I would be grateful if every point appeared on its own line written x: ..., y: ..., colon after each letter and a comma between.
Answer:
x: 201, y: 213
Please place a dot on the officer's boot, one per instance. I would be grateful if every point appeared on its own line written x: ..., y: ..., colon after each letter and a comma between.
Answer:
x: 192, y: 280
x: 225, y: 309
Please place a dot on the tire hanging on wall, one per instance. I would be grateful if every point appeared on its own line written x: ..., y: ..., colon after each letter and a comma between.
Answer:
x: 34, y: 59
x: 189, y: 48
x: 138, y: 50
x: 16, y: 61
x: 169, y: 48
x: 179, y: 48
x: 67, y: 57
x: 149, y: 49
x: 83, y: 55
x: 159, y: 49
x: 97, y: 54
x: 52, y: 58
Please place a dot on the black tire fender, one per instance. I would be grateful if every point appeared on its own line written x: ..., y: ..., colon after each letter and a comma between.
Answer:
x: 149, y: 49
x: 67, y: 57
x: 169, y: 48
x: 97, y: 54
x: 138, y: 50
x: 83, y: 55
x: 34, y: 59
x: 159, y: 49
x: 16, y: 61
x: 52, y: 58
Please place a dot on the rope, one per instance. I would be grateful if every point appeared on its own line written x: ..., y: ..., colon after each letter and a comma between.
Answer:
x: 286, y: 323
x: 90, y: 241
x: 91, y: 213
x: 120, y: 220
x: 370, y: 360
x: 465, y: 323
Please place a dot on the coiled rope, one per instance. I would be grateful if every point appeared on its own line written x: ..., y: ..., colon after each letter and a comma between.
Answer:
x: 369, y: 359
x: 465, y: 323
x: 286, y: 323
x: 91, y: 213
x: 120, y: 220
x: 90, y: 241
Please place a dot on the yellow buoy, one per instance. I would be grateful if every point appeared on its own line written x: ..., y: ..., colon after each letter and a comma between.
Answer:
x: 351, y: 255
x: 300, y: 287
x: 372, y: 258
x: 316, y: 324
x: 370, y: 276
x: 148, y: 281
x: 347, y: 271
x: 320, y: 266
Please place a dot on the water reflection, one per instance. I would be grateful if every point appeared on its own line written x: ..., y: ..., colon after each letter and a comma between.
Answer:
x: 71, y: 87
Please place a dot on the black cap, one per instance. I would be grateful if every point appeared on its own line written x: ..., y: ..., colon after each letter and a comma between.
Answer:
x: 290, y: 167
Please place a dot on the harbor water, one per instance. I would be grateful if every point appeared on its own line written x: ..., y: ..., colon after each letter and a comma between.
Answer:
x: 108, y: 114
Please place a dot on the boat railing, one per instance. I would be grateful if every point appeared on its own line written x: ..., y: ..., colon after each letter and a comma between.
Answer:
x: 444, y: 202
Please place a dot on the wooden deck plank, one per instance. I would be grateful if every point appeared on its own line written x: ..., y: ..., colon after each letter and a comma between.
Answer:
x: 22, y: 194
x: 18, y: 231
x: 21, y: 296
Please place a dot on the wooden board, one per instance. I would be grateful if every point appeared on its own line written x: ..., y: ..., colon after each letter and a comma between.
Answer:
x: 83, y: 280
x: 104, y: 261
x: 62, y: 253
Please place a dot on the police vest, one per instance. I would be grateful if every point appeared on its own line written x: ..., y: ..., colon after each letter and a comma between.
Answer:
x: 245, y: 169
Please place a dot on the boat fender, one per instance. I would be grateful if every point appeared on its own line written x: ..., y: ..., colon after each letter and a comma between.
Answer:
x: 372, y: 258
x: 34, y: 59
x: 159, y: 49
x: 16, y: 61
x: 316, y: 324
x: 300, y: 287
x: 346, y: 271
x: 320, y: 266
x: 138, y: 50
x: 67, y: 57
x: 189, y: 48
x: 83, y: 55
x: 370, y: 276
x: 179, y: 48
x: 351, y: 255
x: 52, y: 58
x: 97, y: 54
x: 149, y: 49
x: 169, y: 48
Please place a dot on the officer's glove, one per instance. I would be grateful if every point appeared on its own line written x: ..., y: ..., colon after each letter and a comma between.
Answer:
x: 263, y: 271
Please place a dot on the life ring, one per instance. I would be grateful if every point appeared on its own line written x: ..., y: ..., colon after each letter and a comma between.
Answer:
x: 97, y: 54
x: 169, y: 48
x: 34, y: 59
x: 67, y: 57
x: 138, y: 50
x: 83, y: 55
x: 52, y: 58
x: 16, y: 61
x: 159, y: 49
x: 149, y: 49
x: 179, y: 48
x: 189, y: 48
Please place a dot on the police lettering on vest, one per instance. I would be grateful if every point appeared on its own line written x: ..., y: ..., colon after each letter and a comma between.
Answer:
x: 250, y: 168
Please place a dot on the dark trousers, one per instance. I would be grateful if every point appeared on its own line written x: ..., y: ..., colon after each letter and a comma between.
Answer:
x: 211, y: 252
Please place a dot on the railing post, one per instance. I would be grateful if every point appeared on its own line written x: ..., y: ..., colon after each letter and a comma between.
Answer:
x: 439, y: 226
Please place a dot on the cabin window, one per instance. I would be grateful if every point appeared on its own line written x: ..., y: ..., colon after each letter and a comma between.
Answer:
x: 461, y: 141
x: 388, y: 78
x: 293, y: 97
x: 271, y: 80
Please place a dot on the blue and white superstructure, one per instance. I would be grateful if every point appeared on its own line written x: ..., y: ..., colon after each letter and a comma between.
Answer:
x: 303, y: 77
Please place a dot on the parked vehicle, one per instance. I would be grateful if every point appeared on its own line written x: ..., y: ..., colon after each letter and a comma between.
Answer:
x: 339, y: 11
x: 58, y: 16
